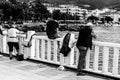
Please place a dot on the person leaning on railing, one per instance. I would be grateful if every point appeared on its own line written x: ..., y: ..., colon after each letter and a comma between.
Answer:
x: 12, y: 39
x: 84, y: 42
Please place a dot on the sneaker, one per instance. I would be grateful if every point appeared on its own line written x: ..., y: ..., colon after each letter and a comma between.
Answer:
x: 61, y: 68
x: 11, y: 58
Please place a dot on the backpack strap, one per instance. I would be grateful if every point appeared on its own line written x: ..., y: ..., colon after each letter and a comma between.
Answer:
x: 67, y: 38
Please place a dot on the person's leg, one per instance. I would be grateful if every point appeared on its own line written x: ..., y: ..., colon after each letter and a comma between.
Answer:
x: 81, y: 61
x: 10, y: 45
x: 16, y: 45
x: 19, y: 57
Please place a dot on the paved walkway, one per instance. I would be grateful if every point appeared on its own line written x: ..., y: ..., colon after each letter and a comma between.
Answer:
x: 26, y: 70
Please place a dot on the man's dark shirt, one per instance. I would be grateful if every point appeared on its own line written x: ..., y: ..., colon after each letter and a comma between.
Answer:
x: 52, y: 27
x: 85, y: 37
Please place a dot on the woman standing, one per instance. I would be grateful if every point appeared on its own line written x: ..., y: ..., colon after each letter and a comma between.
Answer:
x: 12, y: 40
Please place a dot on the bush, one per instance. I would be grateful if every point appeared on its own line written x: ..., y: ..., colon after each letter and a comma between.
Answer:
x: 24, y: 28
x: 63, y: 28
x: 36, y: 28
x: 69, y: 27
x: 73, y: 28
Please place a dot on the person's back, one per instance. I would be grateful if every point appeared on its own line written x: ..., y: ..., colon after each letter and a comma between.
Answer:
x: 51, y: 29
x: 85, y: 37
x: 12, y: 40
x: 12, y: 35
x: 84, y: 42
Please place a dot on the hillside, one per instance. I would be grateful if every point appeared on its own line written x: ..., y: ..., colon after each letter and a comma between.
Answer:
x: 93, y: 3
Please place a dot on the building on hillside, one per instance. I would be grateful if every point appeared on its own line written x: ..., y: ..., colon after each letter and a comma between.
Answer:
x: 51, y: 9
x: 48, y: 5
x: 70, y: 9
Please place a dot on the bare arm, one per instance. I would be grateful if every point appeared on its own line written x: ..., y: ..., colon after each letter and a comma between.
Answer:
x: 93, y: 35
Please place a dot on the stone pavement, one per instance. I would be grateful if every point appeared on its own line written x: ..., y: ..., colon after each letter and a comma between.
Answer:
x: 27, y: 70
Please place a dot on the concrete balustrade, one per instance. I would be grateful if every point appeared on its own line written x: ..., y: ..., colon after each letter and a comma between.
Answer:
x: 103, y: 59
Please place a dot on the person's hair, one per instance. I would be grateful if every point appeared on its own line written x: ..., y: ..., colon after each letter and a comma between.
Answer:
x: 82, y: 26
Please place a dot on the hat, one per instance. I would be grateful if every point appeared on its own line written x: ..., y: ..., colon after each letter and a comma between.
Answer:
x: 89, y: 24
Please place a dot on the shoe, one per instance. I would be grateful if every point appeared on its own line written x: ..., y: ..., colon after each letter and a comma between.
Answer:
x: 81, y: 74
x: 61, y: 68
x: 11, y: 58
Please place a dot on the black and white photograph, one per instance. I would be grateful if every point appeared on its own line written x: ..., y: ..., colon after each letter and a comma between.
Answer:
x: 59, y: 39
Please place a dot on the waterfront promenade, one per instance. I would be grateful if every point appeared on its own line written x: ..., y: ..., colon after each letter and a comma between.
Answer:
x: 28, y: 70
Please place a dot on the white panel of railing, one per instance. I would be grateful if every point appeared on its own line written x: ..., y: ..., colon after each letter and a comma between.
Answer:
x: 96, y: 57
x: 5, y: 47
x: 115, y: 61
x: 1, y: 43
x: 21, y: 39
x: 47, y: 50
x: 107, y: 58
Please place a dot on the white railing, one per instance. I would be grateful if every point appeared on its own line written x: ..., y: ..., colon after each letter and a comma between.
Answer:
x: 104, y: 58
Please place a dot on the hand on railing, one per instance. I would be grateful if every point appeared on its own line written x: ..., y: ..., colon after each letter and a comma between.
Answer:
x: 93, y: 35
x: 73, y: 44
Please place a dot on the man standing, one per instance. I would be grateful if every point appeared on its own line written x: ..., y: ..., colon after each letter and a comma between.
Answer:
x: 84, y: 42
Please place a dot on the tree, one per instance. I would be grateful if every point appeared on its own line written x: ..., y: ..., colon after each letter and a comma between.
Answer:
x: 39, y: 10
x: 108, y: 19
x: 13, y: 1
x: 7, y: 10
x: 56, y: 14
x: 17, y: 11
x: 11, y: 11
x: 14, y: 10
x: 26, y: 14
x: 84, y: 14
x: 1, y: 14
x: 92, y: 18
